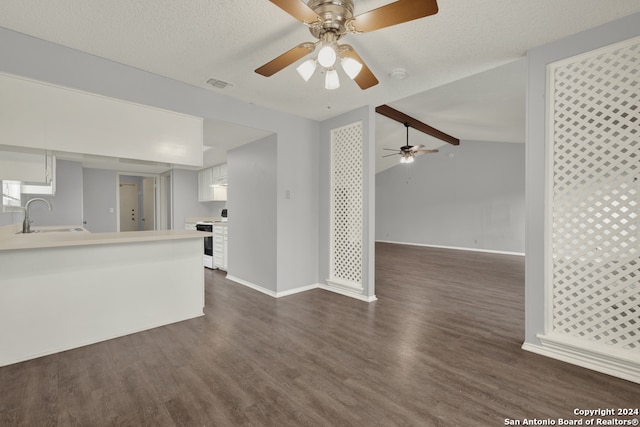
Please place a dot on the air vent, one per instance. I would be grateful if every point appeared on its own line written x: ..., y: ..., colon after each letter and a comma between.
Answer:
x: 218, y: 84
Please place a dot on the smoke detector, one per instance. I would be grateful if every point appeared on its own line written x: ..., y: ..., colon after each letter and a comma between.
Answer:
x: 398, y: 73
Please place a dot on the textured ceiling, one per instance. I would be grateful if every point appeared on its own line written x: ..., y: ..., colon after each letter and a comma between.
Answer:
x: 193, y: 40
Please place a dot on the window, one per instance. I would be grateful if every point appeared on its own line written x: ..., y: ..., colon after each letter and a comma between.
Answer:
x: 11, y: 196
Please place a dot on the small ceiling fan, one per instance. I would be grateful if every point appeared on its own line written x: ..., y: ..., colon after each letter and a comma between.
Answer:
x: 409, y: 152
x: 329, y: 21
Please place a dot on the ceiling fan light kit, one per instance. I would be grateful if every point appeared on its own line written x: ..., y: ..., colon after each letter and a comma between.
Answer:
x: 409, y: 152
x: 329, y: 21
x: 406, y: 159
x: 331, y: 80
x: 327, y: 56
x: 351, y: 67
x: 307, y: 68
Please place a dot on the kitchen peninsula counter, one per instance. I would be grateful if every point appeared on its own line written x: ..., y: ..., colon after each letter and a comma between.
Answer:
x: 63, y: 289
x: 58, y: 236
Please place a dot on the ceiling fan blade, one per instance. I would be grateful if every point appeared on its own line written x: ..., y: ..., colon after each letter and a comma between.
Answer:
x: 298, y: 9
x: 416, y: 147
x: 365, y: 78
x: 286, y: 59
x: 389, y: 155
x: 390, y: 149
x: 394, y: 13
x: 426, y: 151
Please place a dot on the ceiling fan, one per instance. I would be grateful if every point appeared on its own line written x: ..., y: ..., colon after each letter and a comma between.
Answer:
x: 329, y: 21
x: 409, y: 152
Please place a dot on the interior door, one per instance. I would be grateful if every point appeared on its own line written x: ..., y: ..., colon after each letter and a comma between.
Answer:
x: 148, y: 204
x: 128, y: 207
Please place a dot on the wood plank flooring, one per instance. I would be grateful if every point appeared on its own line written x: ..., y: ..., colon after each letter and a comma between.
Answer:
x: 440, y: 347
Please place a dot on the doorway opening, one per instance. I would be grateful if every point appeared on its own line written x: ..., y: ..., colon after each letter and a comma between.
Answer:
x: 136, y: 202
x: 165, y: 202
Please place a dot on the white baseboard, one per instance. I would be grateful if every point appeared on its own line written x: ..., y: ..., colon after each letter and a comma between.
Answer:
x: 490, y: 251
x: 345, y: 292
x: 347, y: 286
x: 273, y: 294
x: 296, y: 290
x: 618, y: 365
x: 270, y: 292
x: 252, y: 286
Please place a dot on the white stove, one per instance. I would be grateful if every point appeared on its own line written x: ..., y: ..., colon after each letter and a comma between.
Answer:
x: 207, y: 256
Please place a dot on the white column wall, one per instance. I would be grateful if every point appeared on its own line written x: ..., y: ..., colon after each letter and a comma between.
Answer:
x: 536, y: 175
x: 367, y: 116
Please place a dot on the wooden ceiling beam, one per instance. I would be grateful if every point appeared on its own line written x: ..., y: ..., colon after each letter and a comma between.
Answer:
x: 399, y: 116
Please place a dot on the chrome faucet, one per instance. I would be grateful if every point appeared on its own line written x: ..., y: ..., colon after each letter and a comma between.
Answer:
x: 26, y: 224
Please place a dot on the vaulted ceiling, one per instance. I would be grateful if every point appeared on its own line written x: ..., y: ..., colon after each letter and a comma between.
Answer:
x: 463, y: 67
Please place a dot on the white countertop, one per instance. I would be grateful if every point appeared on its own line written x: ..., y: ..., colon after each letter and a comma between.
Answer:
x: 50, y: 237
x: 196, y: 219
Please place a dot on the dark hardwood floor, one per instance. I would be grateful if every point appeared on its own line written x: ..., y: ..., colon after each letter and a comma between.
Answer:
x: 441, y: 346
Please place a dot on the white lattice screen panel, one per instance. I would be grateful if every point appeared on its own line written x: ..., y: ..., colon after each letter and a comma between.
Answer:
x: 346, y: 205
x: 595, y: 132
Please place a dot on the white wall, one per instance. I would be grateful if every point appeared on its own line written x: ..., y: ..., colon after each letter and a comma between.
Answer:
x: 99, y: 199
x: 297, y: 199
x: 11, y: 218
x: 40, y: 115
x: 185, y: 198
x: 469, y: 196
x: 66, y: 204
x: 253, y: 207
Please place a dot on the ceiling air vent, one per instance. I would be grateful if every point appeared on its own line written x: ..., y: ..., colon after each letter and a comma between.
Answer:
x: 218, y: 84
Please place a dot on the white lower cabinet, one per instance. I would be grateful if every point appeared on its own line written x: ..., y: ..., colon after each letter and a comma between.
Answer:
x: 226, y: 252
x: 220, y: 246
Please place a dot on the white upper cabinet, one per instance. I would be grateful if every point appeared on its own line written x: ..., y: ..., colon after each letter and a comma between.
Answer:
x: 212, y: 184
x: 30, y: 171
x: 204, y: 183
x: 32, y: 167
x: 39, y: 115
x: 222, y: 176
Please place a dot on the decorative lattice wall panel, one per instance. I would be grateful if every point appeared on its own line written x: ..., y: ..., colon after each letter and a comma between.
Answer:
x: 594, y: 141
x: 346, y: 206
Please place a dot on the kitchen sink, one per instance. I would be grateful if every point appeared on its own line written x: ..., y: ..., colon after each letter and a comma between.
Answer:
x: 56, y: 230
